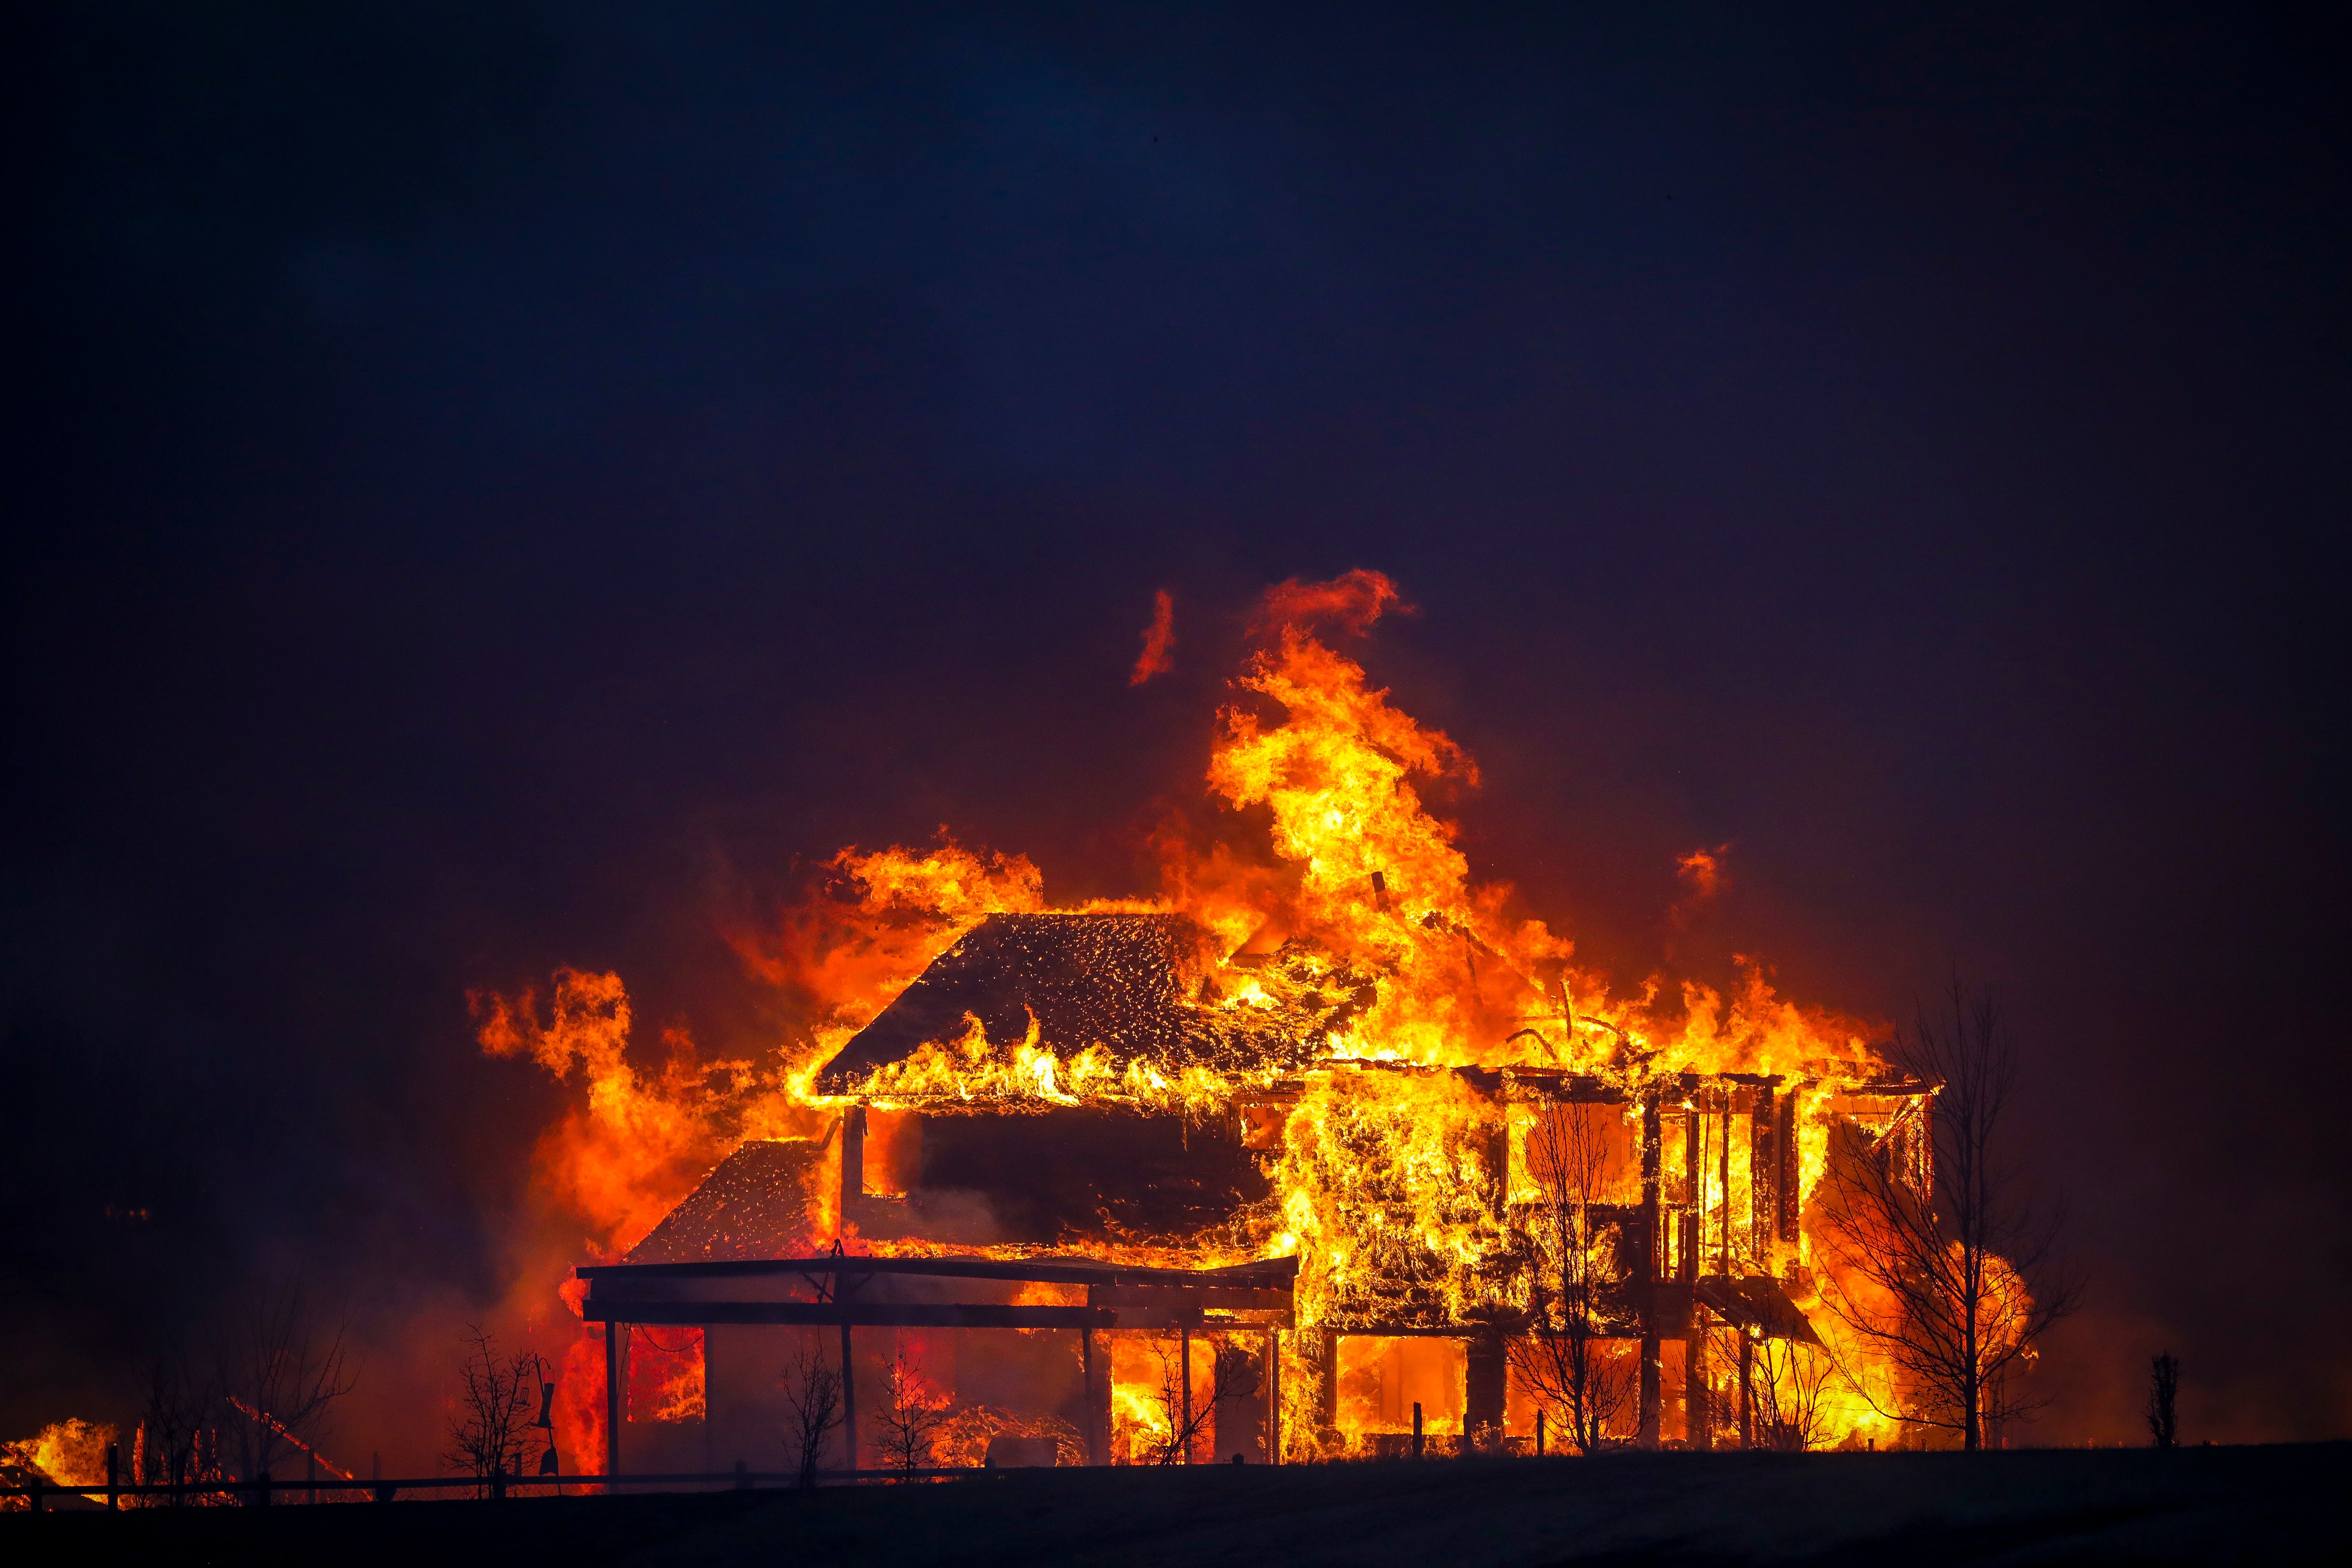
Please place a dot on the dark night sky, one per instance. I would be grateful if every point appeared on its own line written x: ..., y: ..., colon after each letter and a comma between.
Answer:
x: 492, y: 487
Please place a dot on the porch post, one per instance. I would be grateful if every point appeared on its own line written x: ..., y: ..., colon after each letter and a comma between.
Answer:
x: 612, y: 1332
x: 1646, y: 1297
x: 848, y: 1391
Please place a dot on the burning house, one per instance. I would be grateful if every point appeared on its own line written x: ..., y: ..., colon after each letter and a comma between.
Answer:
x: 980, y: 1206
x: 1315, y: 1154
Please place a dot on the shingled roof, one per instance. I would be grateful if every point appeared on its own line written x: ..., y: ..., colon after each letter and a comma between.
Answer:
x: 755, y: 1204
x: 1124, y: 982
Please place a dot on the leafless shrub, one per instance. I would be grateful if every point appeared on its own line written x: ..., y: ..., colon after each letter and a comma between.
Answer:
x: 1786, y: 1383
x: 176, y: 1444
x: 813, y: 1394
x: 490, y: 1432
x: 914, y: 1411
x: 2163, y: 1385
x: 1189, y: 1414
x: 1565, y: 1361
x: 1951, y: 1278
x: 278, y: 1368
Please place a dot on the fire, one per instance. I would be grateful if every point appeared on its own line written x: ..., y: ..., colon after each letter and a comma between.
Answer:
x: 71, y: 1453
x: 1354, y: 926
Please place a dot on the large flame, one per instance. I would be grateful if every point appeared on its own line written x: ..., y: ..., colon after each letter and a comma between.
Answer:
x: 1334, y: 892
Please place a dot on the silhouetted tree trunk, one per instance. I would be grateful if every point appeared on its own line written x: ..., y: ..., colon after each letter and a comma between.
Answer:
x: 1936, y: 1261
x: 491, y: 1428
x: 2163, y: 1382
x: 813, y: 1394
x: 279, y: 1370
x: 913, y: 1412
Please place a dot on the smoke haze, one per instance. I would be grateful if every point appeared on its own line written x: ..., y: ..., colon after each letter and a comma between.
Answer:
x: 498, y: 492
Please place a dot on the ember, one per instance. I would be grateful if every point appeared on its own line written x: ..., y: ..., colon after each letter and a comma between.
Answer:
x: 1318, y: 1152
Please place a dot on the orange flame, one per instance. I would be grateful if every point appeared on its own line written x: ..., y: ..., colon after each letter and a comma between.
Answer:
x: 1339, y: 900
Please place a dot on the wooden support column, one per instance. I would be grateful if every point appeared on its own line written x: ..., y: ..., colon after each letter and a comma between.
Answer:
x: 1086, y: 1378
x: 1785, y: 1145
x: 1185, y: 1350
x: 1697, y: 1420
x: 853, y: 1161
x: 1486, y: 1380
x: 1723, y: 1185
x: 1239, y: 1420
x: 1102, y: 1402
x: 1326, y: 1389
x: 1747, y: 1391
x: 849, y: 1395
x: 1763, y: 1173
x: 612, y: 1374
x: 1694, y: 1208
x: 1273, y: 1396
x: 1646, y: 1287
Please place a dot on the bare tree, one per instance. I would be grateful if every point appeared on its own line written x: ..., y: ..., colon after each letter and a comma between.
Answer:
x: 278, y: 1369
x: 175, y: 1443
x: 914, y: 1411
x: 491, y: 1429
x: 1190, y: 1414
x: 2163, y: 1384
x: 1786, y: 1382
x: 812, y: 1388
x: 1936, y: 1261
x: 1566, y: 1360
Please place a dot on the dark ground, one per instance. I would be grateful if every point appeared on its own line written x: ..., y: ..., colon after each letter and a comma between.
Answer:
x: 2199, y: 1505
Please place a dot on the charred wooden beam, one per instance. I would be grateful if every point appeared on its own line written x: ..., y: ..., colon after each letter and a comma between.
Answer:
x: 853, y: 1159
x: 612, y: 1332
x: 1177, y: 1299
x: 1647, y: 1408
x: 1163, y: 1318
x: 1327, y: 1391
x: 1097, y: 1402
x: 1699, y: 1429
x: 1723, y: 1185
x: 1790, y: 1187
x: 860, y: 1314
x: 1747, y: 1391
x: 1485, y: 1389
x: 1273, y: 1397
x: 1271, y: 1273
x: 1694, y: 1194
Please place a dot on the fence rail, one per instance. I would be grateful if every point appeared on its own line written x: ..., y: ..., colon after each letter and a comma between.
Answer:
x: 261, y: 1488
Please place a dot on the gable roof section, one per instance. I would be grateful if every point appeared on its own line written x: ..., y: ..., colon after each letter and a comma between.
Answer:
x: 1123, y: 982
x: 754, y: 1204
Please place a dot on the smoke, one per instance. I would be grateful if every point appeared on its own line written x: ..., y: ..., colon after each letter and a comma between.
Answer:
x: 1159, y: 640
x: 1351, y: 602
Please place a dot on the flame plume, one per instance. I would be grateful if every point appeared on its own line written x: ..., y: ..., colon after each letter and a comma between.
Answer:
x: 1354, y: 931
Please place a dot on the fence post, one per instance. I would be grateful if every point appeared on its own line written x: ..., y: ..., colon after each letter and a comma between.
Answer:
x: 498, y: 1481
x: 113, y: 1476
x: 32, y: 1491
x: 742, y: 1477
x: 1416, y: 1429
x: 261, y: 1489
